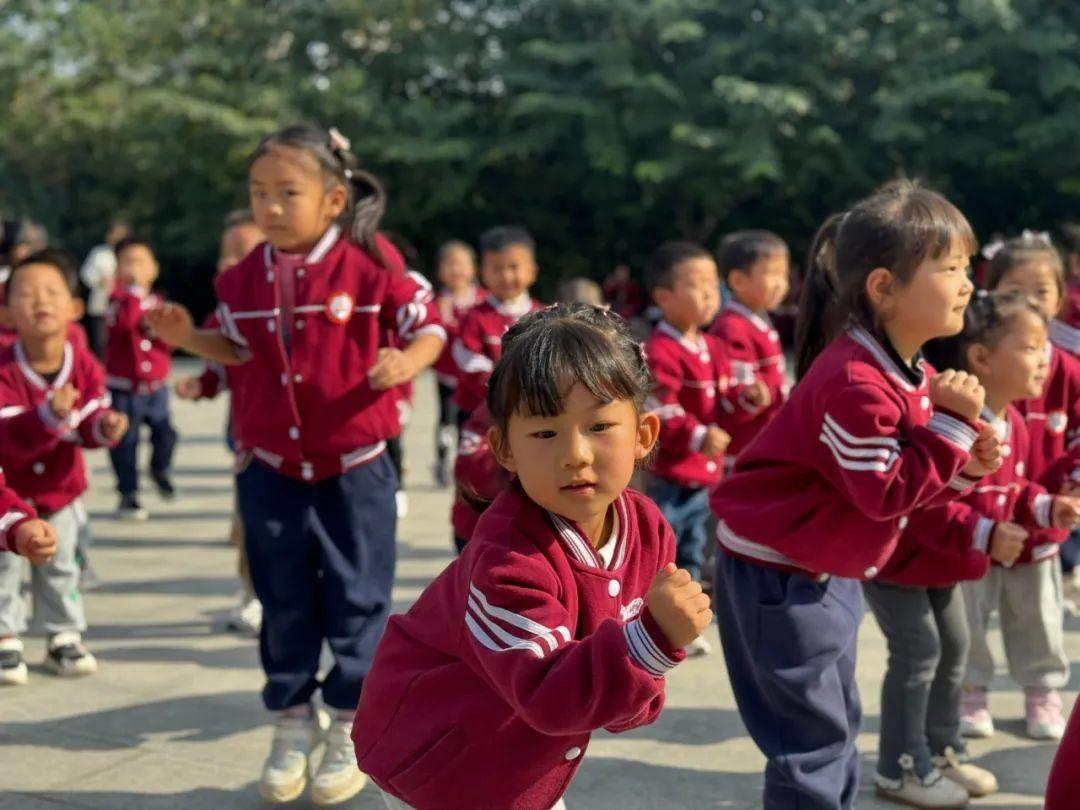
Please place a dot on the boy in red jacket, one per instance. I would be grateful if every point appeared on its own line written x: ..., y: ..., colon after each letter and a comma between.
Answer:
x: 137, y: 365
x: 54, y: 403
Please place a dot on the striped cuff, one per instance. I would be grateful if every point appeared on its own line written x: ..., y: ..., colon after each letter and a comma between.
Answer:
x: 961, y: 483
x: 645, y: 652
x: 697, y: 436
x: 981, y: 536
x: 1041, y: 507
x: 57, y: 426
x: 953, y: 430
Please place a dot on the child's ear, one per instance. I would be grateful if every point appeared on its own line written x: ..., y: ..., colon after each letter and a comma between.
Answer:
x: 501, y: 449
x: 338, y: 197
x: 879, y: 286
x: 647, y: 433
x: 736, y: 280
x: 78, y: 308
x: 978, y: 359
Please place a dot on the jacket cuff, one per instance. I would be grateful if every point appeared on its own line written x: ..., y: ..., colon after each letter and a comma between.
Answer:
x: 954, y: 429
x: 9, y: 522
x: 697, y: 436
x: 1041, y: 509
x: 56, y: 426
x: 648, y: 647
x: 984, y: 527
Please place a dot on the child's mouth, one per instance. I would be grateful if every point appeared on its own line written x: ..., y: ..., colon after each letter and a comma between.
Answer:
x: 581, y: 488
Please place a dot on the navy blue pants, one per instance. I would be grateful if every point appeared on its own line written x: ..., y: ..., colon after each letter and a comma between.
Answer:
x: 789, y: 643
x: 153, y: 410
x: 687, y: 510
x: 322, y: 564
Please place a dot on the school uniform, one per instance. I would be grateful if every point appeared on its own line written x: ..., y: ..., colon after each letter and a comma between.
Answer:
x: 446, y: 371
x: 817, y: 502
x: 754, y: 349
x: 478, y: 477
x: 694, y: 391
x: 485, y: 693
x: 14, y: 512
x: 479, y: 346
x: 137, y: 366
x: 315, y: 487
x: 42, y: 459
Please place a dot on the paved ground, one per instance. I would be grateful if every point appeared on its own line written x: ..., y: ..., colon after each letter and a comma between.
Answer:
x: 173, y: 718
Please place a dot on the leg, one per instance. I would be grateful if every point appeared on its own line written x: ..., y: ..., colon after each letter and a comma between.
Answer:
x: 236, y: 538
x: 1032, y: 625
x: 394, y: 453
x: 943, y: 710
x: 444, y: 430
x: 980, y: 598
x: 124, y: 455
x: 906, y: 618
x: 12, y: 605
x: 687, y: 510
x: 162, y: 433
x: 284, y: 560
x: 789, y: 643
x: 58, y: 605
x: 356, y: 524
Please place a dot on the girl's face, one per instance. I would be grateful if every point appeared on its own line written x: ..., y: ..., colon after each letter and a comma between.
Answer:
x: 136, y: 267
x: 693, y: 298
x: 931, y: 305
x: 1037, y: 281
x: 457, y: 270
x: 290, y: 201
x: 1017, y: 366
x: 575, y: 464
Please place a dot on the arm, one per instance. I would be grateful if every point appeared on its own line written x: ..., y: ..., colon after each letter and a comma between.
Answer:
x: 474, y: 365
x: 13, y: 513
x: 94, y: 413
x: 680, y: 432
x: 27, y: 432
x: 172, y: 323
x: 408, y: 308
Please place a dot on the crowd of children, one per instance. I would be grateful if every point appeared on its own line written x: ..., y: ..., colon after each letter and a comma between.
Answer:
x: 926, y: 465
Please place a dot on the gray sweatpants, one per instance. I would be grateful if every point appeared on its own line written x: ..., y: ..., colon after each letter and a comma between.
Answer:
x: 927, y: 637
x: 58, y: 605
x: 1028, y: 599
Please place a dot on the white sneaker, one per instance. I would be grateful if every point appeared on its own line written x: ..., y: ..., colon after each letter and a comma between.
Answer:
x: 931, y: 791
x: 698, y: 647
x: 401, y: 500
x: 68, y: 657
x: 285, y: 772
x: 338, y: 779
x: 12, y: 666
x: 246, y: 617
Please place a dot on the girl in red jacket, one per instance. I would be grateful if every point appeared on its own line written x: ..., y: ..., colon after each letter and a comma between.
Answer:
x: 563, y: 612
x: 818, y: 500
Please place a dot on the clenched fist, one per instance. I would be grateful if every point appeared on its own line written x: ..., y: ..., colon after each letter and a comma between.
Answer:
x: 1006, y: 542
x: 678, y: 605
x: 172, y: 323
x: 959, y: 392
x: 62, y: 402
x: 35, y: 540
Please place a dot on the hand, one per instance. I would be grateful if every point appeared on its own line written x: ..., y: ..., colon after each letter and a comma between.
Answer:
x: 189, y: 388
x: 392, y: 368
x: 758, y: 395
x: 678, y: 605
x: 171, y: 322
x: 114, y: 425
x: 62, y: 402
x: 986, y: 455
x: 1065, y: 513
x: 715, y: 442
x: 1006, y: 542
x: 35, y: 540
x: 959, y: 392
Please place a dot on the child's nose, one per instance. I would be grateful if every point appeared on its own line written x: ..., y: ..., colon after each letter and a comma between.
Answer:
x: 578, y: 453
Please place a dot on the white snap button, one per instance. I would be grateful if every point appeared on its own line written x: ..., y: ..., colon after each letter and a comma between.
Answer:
x: 613, y: 587
x: 294, y: 433
x: 774, y: 335
x: 1002, y: 500
x: 903, y: 523
x: 299, y: 324
x: 710, y: 393
x: 1020, y: 468
x: 284, y: 379
x: 925, y: 403
x: 145, y: 345
x: 270, y: 326
x: 300, y: 272
x: 871, y: 572
x: 270, y: 276
x: 145, y: 365
x: 297, y: 378
x: 39, y: 468
x: 307, y: 474
x: 573, y: 754
x: 1006, y: 451
x: 710, y: 466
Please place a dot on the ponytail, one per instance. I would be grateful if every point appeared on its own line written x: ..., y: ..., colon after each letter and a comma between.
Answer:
x: 817, y: 304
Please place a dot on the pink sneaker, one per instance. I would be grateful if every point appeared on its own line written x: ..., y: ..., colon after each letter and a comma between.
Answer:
x: 1043, y: 709
x: 975, y: 719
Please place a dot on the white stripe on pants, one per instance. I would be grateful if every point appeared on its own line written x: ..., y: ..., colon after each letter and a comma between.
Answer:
x: 58, y: 605
x: 1028, y: 599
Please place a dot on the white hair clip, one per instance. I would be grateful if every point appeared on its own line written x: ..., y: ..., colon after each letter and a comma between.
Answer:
x: 337, y: 140
x: 1036, y: 236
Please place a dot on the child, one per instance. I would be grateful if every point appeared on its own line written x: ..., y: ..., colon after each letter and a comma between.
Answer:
x: 312, y: 409
x: 507, y: 269
x: 137, y: 366
x: 755, y: 268
x: 1030, y: 594
x: 478, y: 477
x: 563, y: 613
x: 694, y: 397
x: 817, y: 500
x: 915, y: 597
x: 458, y: 294
x: 241, y: 236
x: 55, y: 401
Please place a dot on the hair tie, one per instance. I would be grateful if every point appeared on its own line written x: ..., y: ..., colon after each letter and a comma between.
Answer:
x: 1029, y: 235
x: 348, y: 174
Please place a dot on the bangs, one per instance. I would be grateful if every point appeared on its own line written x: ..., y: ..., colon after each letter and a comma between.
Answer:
x: 931, y: 226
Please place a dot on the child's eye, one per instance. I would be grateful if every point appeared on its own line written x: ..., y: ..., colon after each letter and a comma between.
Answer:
x: 543, y: 434
x: 600, y: 427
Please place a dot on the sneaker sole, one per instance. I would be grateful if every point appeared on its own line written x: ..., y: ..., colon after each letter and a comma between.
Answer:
x: 16, y: 676
x: 881, y: 793
x: 282, y: 796
x: 977, y: 733
x: 60, y: 672
x: 323, y: 797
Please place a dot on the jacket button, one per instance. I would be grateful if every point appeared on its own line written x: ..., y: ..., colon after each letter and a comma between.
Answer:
x: 613, y: 587
x: 270, y: 276
x: 145, y: 365
x: 710, y: 466
x: 902, y: 523
x: 38, y: 468
x: 573, y: 754
x: 299, y: 323
x: 1002, y: 500
x: 270, y: 326
x: 297, y: 378
x: 925, y: 403
x: 294, y: 432
x: 870, y: 572
x: 145, y: 345
x: 300, y: 272
x: 1006, y: 451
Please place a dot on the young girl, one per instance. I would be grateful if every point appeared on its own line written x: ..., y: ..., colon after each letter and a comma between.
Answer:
x: 458, y: 294
x: 865, y: 439
x: 301, y: 324
x: 915, y: 598
x: 1029, y: 595
x: 564, y: 611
